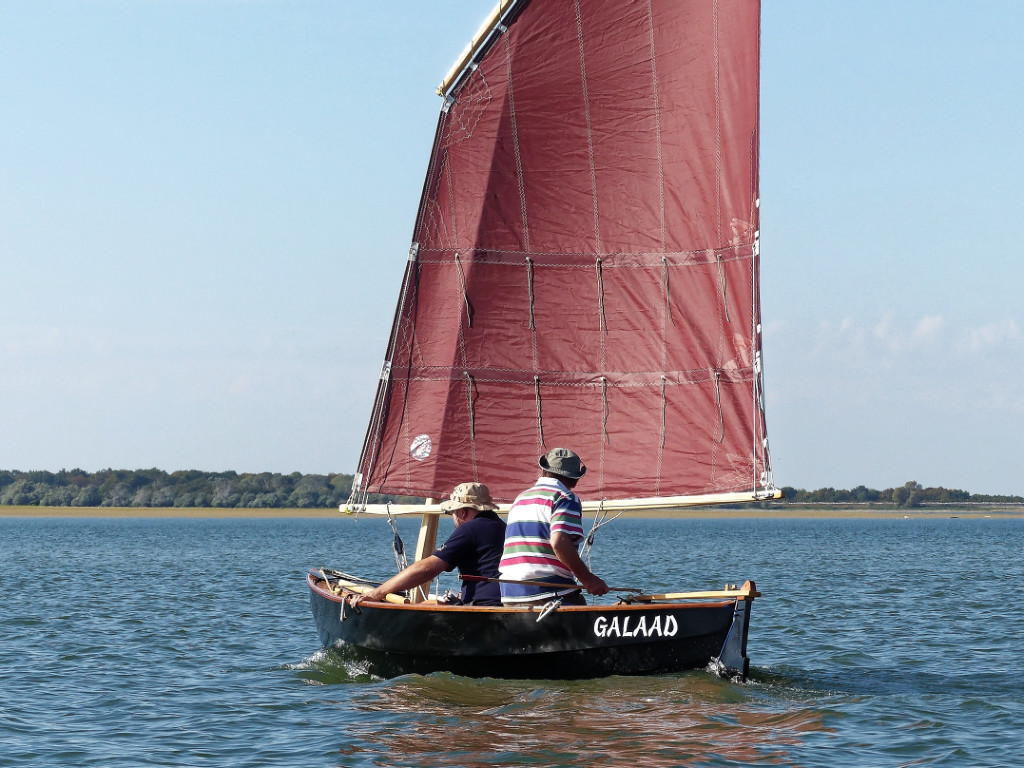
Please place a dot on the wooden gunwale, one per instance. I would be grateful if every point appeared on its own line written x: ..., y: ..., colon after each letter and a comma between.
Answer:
x: 316, y: 584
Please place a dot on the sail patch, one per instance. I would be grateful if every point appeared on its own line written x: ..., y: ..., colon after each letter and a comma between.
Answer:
x: 421, y: 447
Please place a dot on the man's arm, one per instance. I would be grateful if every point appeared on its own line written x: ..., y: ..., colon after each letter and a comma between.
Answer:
x: 418, y: 573
x: 565, y: 550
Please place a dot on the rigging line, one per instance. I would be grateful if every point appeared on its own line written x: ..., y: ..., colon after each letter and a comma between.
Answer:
x: 397, y: 544
x: 469, y: 400
x: 373, y: 441
x: 465, y: 293
x: 600, y: 519
x: 723, y: 282
x: 600, y: 297
x: 529, y: 288
x: 721, y: 415
x: 540, y: 420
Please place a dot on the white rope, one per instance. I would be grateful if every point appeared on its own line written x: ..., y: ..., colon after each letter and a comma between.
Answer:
x: 600, y: 519
x: 397, y: 544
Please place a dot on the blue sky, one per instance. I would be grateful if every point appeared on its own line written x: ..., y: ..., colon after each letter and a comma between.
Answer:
x: 205, y: 208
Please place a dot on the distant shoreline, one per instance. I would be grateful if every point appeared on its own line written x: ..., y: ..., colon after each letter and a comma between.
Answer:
x: 810, y: 512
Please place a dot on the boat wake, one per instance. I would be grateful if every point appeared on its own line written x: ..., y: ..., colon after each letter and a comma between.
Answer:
x: 330, y: 667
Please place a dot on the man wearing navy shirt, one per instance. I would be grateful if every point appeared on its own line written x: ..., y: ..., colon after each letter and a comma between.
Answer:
x: 474, y: 548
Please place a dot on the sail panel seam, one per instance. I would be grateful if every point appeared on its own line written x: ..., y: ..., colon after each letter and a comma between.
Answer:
x: 529, y: 290
x: 515, y: 145
x: 721, y: 414
x: 540, y: 416
x: 470, y: 408
x: 657, y: 127
x: 618, y: 260
x: 718, y: 124
x: 661, y: 443
x: 590, y: 129
x: 589, y: 379
x: 470, y: 411
x: 604, y: 410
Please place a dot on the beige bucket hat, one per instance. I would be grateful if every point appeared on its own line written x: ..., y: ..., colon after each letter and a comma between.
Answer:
x: 563, y: 462
x: 475, y: 495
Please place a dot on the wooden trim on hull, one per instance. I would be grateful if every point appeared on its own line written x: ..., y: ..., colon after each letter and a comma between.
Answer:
x: 570, y: 643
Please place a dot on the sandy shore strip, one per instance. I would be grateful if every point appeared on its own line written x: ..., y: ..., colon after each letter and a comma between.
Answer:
x: 835, y: 512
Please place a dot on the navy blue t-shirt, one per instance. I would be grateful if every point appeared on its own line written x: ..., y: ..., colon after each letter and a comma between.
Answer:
x: 475, y: 549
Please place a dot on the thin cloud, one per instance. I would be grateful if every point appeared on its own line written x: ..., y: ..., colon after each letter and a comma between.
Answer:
x: 1005, y: 333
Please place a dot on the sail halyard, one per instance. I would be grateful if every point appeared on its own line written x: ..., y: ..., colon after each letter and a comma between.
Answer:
x: 586, y: 262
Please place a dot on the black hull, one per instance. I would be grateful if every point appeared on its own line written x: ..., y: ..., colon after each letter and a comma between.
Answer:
x: 570, y: 643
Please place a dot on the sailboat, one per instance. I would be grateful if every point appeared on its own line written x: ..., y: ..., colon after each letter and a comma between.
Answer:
x: 584, y: 271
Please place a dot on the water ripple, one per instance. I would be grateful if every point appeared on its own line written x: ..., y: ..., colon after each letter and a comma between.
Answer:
x: 186, y: 643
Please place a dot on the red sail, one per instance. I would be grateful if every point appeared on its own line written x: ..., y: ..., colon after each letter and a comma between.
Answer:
x: 584, y: 271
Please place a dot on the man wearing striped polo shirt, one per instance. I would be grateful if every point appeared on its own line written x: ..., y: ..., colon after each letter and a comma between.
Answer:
x: 545, y: 528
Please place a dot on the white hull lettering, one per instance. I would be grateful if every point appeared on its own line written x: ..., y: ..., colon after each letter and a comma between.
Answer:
x: 671, y: 626
x: 605, y: 628
x: 641, y: 628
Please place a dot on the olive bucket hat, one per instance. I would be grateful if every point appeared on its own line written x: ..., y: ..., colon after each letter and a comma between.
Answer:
x: 563, y: 462
x: 475, y: 495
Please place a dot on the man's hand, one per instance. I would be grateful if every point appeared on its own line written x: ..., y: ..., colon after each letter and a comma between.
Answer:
x: 374, y: 596
x: 420, y: 572
x: 565, y: 550
x: 594, y: 585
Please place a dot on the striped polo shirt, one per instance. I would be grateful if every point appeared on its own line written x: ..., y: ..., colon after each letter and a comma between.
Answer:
x: 544, y: 509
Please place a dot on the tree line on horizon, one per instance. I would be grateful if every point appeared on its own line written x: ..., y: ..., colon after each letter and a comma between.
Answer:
x: 271, y: 490
x: 911, y: 494
x: 186, y: 488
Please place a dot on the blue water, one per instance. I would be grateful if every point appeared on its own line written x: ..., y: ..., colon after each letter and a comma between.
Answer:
x: 190, y: 643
